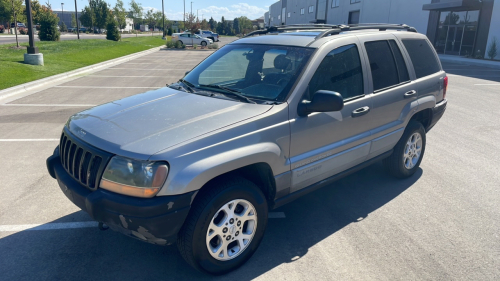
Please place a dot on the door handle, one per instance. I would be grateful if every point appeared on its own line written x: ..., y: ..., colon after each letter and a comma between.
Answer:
x: 360, y: 111
x: 410, y: 94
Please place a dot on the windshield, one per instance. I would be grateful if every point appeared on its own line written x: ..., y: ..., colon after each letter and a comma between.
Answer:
x: 265, y: 72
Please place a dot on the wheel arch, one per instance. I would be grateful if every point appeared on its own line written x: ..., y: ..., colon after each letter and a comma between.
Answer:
x: 424, y: 117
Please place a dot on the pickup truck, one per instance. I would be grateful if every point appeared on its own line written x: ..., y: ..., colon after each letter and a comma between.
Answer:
x: 208, y: 34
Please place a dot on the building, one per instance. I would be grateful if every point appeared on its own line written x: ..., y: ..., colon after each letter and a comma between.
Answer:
x: 455, y: 27
x: 66, y: 17
x: 258, y: 23
x: 129, y: 25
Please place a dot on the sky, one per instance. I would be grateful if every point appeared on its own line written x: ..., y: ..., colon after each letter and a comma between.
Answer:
x: 174, y: 8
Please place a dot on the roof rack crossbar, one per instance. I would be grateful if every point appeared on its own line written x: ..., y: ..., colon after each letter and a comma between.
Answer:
x: 331, y: 29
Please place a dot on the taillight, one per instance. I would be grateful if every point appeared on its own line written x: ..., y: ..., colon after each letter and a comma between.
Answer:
x: 445, y: 86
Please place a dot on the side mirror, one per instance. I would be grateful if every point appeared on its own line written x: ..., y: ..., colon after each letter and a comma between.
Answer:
x: 323, y: 101
x: 187, y: 72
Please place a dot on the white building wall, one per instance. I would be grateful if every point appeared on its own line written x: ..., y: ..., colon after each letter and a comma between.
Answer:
x: 494, y: 29
x: 381, y: 11
x: 294, y: 7
x: 274, y: 12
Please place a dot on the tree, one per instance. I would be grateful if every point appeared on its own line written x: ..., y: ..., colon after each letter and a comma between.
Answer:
x: 213, y: 24
x: 120, y: 14
x: 204, y: 24
x: 48, y: 25
x: 36, y: 7
x: 236, y: 26
x: 112, y: 32
x: 101, y: 13
x: 87, y: 17
x: 64, y: 28
x: 150, y: 19
x: 245, y: 25
x: 220, y: 28
x: 136, y: 11
x: 73, y: 21
x: 492, y: 49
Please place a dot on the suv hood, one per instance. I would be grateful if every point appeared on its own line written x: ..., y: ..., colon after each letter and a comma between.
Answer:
x: 143, y: 124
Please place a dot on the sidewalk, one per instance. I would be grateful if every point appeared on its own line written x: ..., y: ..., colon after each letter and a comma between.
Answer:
x: 469, y: 61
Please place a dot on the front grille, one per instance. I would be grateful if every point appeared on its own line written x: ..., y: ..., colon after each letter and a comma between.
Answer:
x: 83, y: 162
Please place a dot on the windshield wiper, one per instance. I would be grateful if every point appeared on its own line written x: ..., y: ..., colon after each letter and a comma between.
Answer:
x: 229, y: 91
x: 187, y: 84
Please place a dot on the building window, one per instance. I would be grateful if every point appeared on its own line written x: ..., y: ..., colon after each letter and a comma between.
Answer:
x: 279, y: 17
x: 355, y: 1
x: 335, y: 3
x: 353, y: 17
x: 272, y: 18
x: 302, y: 11
x: 288, y: 14
x: 311, y: 9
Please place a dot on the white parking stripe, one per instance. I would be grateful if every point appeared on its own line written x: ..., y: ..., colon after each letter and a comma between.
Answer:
x: 85, y: 224
x: 14, y: 140
x: 152, y: 68
x: 497, y: 84
x: 130, y: 76
x: 99, y: 87
x: 67, y: 105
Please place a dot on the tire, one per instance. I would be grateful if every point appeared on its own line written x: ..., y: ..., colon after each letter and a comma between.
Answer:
x: 203, y: 43
x: 204, y: 250
x: 181, y: 42
x: 403, y: 162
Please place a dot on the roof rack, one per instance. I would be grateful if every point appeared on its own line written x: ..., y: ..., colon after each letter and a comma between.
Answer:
x: 331, y: 29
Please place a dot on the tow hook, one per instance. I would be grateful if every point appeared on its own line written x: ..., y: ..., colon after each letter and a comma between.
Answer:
x: 102, y: 226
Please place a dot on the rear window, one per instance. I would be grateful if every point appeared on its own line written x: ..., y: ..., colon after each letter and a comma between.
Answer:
x: 423, y: 58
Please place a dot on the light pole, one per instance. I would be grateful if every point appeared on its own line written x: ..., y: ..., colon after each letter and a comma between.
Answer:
x: 184, y: 18
x: 77, y: 25
x: 32, y: 57
x: 62, y: 14
x: 163, y: 19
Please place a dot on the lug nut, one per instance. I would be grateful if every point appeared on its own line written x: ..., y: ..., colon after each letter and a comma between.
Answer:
x: 231, y: 221
x: 239, y: 223
x: 237, y: 233
x: 224, y: 230
x: 228, y: 237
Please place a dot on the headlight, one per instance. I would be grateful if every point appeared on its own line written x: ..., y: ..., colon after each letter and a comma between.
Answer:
x: 134, y: 178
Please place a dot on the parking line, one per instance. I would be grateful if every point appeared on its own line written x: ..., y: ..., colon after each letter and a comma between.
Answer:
x: 150, y: 68
x: 66, y: 105
x: 497, y: 84
x: 84, y: 224
x: 128, y: 76
x: 17, y: 140
x: 100, y: 87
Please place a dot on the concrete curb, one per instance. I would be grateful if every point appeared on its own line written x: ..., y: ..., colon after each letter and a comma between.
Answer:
x: 58, y: 77
x: 474, y: 62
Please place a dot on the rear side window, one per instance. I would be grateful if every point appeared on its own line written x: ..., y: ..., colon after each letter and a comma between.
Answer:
x: 340, y: 71
x: 386, y: 63
x: 423, y: 58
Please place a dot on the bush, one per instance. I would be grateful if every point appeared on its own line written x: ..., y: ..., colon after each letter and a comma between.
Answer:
x: 48, y: 25
x: 64, y: 28
x: 23, y: 31
x: 213, y: 46
x: 112, y: 32
x: 178, y: 45
x: 2, y: 29
x: 492, y: 50
x: 195, y: 46
x: 170, y: 44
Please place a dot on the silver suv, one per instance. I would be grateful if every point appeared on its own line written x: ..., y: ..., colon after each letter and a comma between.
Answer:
x: 259, y: 123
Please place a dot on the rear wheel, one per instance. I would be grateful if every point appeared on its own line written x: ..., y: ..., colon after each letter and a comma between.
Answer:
x: 181, y: 42
x: 224, y: 227
x: 203, y: 43
x: 408, y: 152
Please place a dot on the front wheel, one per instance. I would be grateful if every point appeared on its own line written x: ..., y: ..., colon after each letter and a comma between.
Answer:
x: 224, y: 227
x: 203, y: 43
x: 408, y: 152
x: 181, y: 42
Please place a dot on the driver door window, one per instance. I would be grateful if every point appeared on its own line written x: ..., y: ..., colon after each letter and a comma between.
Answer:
x: 340, y: 71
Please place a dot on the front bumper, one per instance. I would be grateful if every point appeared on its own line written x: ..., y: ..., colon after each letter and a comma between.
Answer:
x: 155, y: 220
x: 437, y: 113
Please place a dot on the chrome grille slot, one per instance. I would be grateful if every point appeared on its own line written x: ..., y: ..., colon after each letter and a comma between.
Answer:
x: 83, y: 162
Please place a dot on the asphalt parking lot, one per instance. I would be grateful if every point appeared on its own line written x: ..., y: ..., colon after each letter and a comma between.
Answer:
x: 441, y: 224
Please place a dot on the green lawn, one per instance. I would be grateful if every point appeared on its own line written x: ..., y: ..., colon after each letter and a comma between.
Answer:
x: 64, y: 56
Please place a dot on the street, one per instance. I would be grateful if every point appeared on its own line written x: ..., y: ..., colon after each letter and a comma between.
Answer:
x: 11, y: 39
x: 440, y: 224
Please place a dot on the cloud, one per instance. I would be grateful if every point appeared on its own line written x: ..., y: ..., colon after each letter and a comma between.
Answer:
x: 229, y: 13
x: 146, y: 9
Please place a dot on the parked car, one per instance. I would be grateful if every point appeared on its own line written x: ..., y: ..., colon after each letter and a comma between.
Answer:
x: 83, y: 29
x: 191, y: 39
x: 19, y: 24
x: 257, y: 124
x: 208, y: 34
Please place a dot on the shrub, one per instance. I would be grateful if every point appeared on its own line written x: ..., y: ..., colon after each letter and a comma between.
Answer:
x: 112, y: 32
x: 178, y: 45
x: 213, y: 46
x: 48, y: 25
x: 170, y: 44
x: 23, y: 31
x: 195, y: 46
x: 492, y: 49
x: 64, y: 28
x: 2, y: 29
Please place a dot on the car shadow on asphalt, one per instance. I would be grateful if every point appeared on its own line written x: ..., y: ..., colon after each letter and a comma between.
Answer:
x: 91, y: 254
x: 478, y: 72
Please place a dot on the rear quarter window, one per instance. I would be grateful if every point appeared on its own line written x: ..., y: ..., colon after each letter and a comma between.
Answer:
x: 422, y: 56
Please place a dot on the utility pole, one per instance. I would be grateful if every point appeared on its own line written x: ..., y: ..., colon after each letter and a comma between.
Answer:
x: 62, y: 15
x: 197, y: 19
x: 184, y: 19
x: 77, y: 25
x: 163, y: 19
x: 191, y: 7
